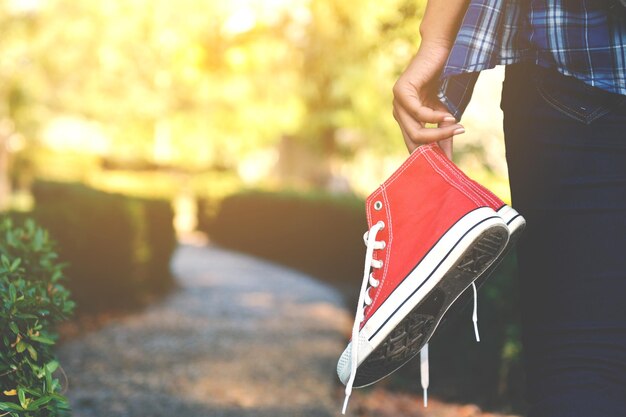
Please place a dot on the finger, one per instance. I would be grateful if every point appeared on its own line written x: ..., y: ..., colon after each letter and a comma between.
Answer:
x: 446, y: 147
x: 408, y: 126
x: 422, y: 113
x: 407, y: 140
x: 413, y: 100
x: 420, y: 135
x: 427, y: 115
x: 436, y: 134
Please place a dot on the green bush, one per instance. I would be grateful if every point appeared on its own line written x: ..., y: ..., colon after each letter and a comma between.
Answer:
x: 118, y: 247
x: 322, y: 235
x: 319, y: 234
x: 33, y: 299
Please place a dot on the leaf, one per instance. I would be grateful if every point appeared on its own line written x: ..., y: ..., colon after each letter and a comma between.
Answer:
x: 12, y: 292
x: 21, y: 346
x: 16, y: 263
x: 56, y: 275
x: 48, y: 375
x: 10, y: 406
x: 38, y: 241
x: 26, y: 316
x: 21, y: 395
x: 52, y: 366
x: 36, y: 404
x: 14, y: 327
x: 58, y: 397
x: 32, y: 351
x: 10, y: 393
x: 32, y: 392
x: 42, y: 339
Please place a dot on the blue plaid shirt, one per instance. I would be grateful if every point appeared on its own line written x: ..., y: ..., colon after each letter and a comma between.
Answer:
x: 581, y: 38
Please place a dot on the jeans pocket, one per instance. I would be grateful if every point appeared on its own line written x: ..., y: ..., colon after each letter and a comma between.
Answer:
x: 574, y: 98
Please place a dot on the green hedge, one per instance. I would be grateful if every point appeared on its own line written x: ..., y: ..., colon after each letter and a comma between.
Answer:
x: 319, y: 234
x: 118, y: 247
x: 33, y: 299
x: 322, y: 235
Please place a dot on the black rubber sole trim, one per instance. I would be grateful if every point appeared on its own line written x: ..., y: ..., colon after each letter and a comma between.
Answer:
x: 406, y: 340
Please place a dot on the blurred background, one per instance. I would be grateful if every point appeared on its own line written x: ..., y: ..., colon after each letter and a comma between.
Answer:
x: 130, y: 127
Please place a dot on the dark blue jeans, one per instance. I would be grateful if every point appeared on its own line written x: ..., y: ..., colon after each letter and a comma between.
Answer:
x: 566, y: 151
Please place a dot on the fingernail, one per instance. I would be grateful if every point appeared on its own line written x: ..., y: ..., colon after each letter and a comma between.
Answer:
x: 458, y: 131
x: 449, y: 119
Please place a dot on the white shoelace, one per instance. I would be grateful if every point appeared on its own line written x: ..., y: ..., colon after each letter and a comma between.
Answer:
x: 424, y: 372
x: 424, y: 369
x: 475, y: 313
x: 364, y: 299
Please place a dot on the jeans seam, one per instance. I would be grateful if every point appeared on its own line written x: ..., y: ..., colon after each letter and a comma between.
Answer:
x: 567, y: 110
x: 555, y: 105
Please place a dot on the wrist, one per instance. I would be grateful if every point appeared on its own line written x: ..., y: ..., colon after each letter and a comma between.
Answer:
x: 434, y: 50
x: 429, y: 61
x: 439, y: 43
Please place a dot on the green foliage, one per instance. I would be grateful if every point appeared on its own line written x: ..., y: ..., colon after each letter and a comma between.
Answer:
x: 118, y: 247
x: 317, y: 233
x: 33, y: 298
x: 322, y: 234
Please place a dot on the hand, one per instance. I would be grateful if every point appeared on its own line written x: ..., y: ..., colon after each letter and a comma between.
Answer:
x: 415, y: 101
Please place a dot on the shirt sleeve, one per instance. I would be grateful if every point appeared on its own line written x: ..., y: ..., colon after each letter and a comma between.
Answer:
x: 483, y: 41
x: 456, y: 91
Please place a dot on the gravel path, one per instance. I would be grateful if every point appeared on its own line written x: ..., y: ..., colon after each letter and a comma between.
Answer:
x: 240, y: 337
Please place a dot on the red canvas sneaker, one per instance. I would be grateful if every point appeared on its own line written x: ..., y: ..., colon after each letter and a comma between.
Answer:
x: 432, y: 233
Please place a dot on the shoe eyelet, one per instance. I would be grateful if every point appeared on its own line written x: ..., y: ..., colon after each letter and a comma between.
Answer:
x: 378, y: 205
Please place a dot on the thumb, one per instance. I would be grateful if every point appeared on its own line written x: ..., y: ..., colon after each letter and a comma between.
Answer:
x: 446, y: 145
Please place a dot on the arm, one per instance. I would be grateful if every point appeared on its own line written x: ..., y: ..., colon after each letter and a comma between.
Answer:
x: 415, y: 92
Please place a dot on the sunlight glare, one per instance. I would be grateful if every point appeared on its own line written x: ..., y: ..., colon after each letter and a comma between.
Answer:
x: 69, y: 133
x: 244, y: 15
x: 240, y: 21
x: 24, y: 6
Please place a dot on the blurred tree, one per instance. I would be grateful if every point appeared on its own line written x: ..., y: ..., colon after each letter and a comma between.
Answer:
x: 351, y: 56
x: 204, y: 83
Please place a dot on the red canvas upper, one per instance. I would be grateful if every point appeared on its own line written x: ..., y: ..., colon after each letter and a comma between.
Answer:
x: 426, y: 196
